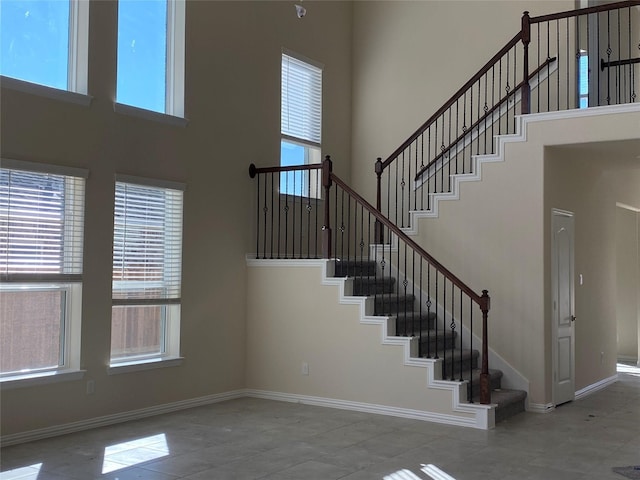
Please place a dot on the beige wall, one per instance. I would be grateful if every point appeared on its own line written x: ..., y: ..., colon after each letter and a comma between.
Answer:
x: 497, y: 236
x: 627, y: 282
x: 233, y: 105
x: 407, y: 64
x: 347, y: 360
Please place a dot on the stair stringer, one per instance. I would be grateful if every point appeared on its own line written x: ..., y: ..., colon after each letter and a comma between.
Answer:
x: 484, y: 414
x: 480, y: 416
x: 511, y: 379
x: 521, y: 129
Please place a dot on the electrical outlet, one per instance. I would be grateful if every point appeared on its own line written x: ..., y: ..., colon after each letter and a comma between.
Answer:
x: 305, y: 368
x: 91, y: 387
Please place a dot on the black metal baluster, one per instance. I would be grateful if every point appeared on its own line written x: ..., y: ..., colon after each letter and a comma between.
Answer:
x: 293, y: 218
x: 548, y: 57
x: 342, y: 226
x: 568, y: 64
x: 265, y: 209
x: 258, y: 218
x: 402, y: 185
x: 286, y: 216
x: 318, y: 189
x: 632, y: 73
x: 539, y: 87
x: 460, y: 317
x: 444, y: 321
x: 559, y: 64
x: 422, y: 176
x: 309, y: 208
x: 420, y: 313
x: 493, y: 104
x: 618, y: 77
x: 279, y: 213
x: 608, y: 58
x: 470, y: 348
x: 500, y: 92
x: 453, y: 333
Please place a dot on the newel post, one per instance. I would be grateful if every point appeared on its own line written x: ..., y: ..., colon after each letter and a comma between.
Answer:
x: 485, y: 380
x: 526, y: 88
x: 379, y: 232
x: 327, y: 168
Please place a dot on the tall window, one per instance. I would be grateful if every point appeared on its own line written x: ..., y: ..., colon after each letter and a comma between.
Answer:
x: 147, y: 261
x: 300, y: 120
x: 151, y: 55
x: 45, y: 42
x: 41, y: 238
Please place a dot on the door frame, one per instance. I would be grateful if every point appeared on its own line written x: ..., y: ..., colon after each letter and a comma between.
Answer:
x: 555, y: 212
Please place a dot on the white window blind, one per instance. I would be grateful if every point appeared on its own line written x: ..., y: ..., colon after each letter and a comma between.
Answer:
x: 301, y: 106
x: 41, y: 226
x: 147, y: 244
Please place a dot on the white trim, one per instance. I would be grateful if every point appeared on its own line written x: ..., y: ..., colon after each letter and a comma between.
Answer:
x: 484, y: 415
x: 44, y: 91
x: 627, y: 207
x: 78, y: 67
x: 141, y: 365
x: 96, y: 422
x: 145, y: 114
x: 520, y: 135
x: 541, y: 407
x: 150, y: 182
x: 252, y: 261
x: 302, y: 58
x: 175, y: 58
x: 594, y: 387
x: 12, y: 164
x: 365, y: 407
x: 40, y: 378
x: 627, y: 359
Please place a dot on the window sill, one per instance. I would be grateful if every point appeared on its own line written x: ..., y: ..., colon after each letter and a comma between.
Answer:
x: 44, y: 91
x: 41, y: 378
x: 123, y: 109
x: 147, y: 364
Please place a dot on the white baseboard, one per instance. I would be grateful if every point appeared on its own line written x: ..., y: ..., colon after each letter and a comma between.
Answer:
x: 72, y: 427
x: 369, y: 408
x: 594, y: 387
x: 628, y: 359
x: 540, y: 407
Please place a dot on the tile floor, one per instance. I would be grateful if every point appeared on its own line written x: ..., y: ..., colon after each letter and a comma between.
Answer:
x: 252, y: 438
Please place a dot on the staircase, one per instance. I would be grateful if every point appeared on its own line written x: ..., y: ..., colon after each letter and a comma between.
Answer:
x: 436, y: 341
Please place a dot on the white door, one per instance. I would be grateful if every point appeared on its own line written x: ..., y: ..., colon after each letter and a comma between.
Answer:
x: 563, y: 316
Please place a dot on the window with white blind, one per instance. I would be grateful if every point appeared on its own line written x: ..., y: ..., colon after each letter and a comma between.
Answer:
x: 300, y: 123
x: 147, y: 266
x: 41, y: 243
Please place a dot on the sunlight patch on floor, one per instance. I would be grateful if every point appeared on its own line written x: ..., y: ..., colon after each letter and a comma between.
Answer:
x: 126, y: 454
x: 628, y: 369
x: 30, y: 472
x: 433, y: 472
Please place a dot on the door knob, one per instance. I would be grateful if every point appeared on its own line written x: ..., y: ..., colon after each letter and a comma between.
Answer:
x: 573, y: 318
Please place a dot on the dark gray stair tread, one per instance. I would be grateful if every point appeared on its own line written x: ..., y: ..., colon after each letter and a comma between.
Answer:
x: 369, y: 286
x: 353, y: 268
x: 393, y: 302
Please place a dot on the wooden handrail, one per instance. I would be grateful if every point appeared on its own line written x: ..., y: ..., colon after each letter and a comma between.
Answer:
x: 452, y: 100
x: 486, y: 115
x: 618, y: 63
x: 585, y: 11
x: 494, y: 59
x: 253, y: 170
